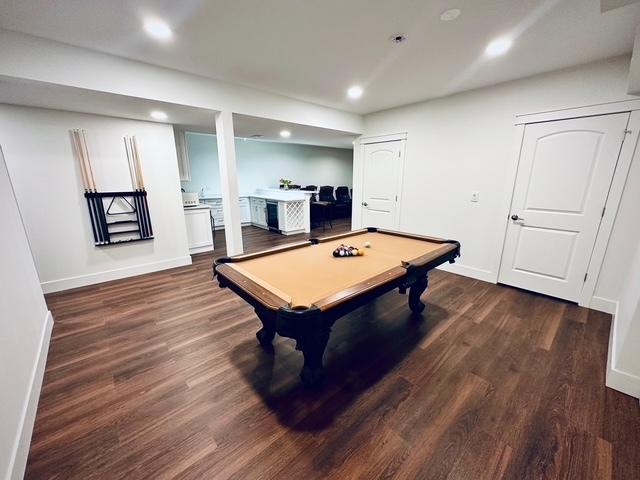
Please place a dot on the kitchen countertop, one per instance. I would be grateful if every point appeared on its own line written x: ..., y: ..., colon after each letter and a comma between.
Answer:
x: 279, y: 198
x: 202, y: 206
x: 269, y: 194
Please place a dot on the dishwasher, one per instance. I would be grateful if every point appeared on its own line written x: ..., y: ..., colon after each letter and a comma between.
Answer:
x: 272, y: 216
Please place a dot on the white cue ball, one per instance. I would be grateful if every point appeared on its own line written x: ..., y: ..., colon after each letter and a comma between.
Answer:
x: 367, y: 244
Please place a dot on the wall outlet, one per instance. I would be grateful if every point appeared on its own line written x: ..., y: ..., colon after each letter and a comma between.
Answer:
x: 475, y: 196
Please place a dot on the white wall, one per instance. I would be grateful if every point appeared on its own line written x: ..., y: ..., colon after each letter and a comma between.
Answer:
x: 262, y: 164
x: 25, y: 327
x: 623, y: 258
x: 49, y: 190
x: 634, y: 68
x: 466, y: 142
x: 628, y: 319
x: 624, y: 238
x: 623, y: 368
x: 32, y: 58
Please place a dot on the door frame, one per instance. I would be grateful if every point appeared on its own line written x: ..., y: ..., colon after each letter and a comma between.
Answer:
x: 616, y: 186
x: 358, y: 174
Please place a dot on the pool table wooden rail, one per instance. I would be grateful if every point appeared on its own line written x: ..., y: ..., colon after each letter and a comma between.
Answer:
x: 311, y: 326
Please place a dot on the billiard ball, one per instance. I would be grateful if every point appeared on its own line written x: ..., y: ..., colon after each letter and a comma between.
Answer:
x: 367, y: 244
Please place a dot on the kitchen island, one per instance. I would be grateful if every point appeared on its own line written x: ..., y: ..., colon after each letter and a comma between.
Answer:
x: 283, y: 211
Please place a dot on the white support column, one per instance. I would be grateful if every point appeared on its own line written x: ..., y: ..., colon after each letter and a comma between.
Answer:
x: 356, y: 197
x: 229, y: 182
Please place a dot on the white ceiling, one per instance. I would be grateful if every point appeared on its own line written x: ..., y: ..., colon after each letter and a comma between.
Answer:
x: 606, y: 5
x: 314, y: 50
x: 57, y: 97
x: 43, y: 95
x: 244, y: 126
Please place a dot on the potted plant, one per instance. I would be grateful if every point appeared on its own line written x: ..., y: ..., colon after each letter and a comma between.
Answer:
x: 284, y: 183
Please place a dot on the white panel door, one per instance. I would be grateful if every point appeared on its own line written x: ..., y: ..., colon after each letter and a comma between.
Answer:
x: 383, y: 164
x: 564, y: 174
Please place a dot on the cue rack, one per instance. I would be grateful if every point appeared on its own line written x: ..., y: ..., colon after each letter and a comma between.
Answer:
x: 126, y: 216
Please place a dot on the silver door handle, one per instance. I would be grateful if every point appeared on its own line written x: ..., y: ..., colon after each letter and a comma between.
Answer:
x: 365, y: 204
x: 516, y: 218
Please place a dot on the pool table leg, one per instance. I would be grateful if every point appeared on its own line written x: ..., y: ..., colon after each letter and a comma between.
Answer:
x: 268, y: 331
x: 313, y: 345
x: 416, y: 290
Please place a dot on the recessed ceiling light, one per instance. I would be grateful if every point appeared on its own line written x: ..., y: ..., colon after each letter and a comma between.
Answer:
x: 398, y: 38
x: 450, y: 14
x: 158, y: 29
x: 498, y: 46
x: 355, y: 92
x: 285, y: 133
x: 158, y: 115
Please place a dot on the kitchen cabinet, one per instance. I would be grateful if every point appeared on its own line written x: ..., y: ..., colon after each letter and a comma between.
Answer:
x: 258, y: 212
x: 218, y: 214
x: 216, y: 211
x: 198, y: 223
x: 245, y: 210
x: 184, y: 168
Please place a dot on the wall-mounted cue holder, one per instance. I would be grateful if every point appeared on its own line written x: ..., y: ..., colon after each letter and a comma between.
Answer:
x: 116, y: 217
x: 116, y: 224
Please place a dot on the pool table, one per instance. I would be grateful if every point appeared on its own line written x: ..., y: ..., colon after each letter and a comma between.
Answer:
x: 299, y: 290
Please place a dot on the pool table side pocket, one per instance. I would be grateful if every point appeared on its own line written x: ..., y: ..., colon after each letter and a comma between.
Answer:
x: 383, y: 279
x: 338, y: 236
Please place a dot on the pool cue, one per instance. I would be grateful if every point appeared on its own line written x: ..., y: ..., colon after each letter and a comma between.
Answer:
x: 89, y: 188
x: 85, y: 184
x: 147, y: 216
x: 134, y: 183
x: 88, y: 160
x: 92, y: 186
x: 136, y: 159
x: 135, y: 180
x: 97, y: 201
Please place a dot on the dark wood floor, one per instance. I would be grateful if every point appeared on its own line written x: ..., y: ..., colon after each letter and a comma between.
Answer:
x: 160, y: 376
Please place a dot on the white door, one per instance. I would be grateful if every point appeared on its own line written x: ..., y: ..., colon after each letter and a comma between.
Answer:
x: 381, y: 183
x: 564, y: 174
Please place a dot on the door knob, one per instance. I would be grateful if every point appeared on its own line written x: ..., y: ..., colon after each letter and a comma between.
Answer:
x: 364, y: 204
x: 516, y: 218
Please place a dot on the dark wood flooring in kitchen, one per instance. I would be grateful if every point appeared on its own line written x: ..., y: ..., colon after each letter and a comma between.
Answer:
x: 160, y: 376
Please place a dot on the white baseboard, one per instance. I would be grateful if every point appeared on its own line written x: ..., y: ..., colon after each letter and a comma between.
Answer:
x: 615, y: 378
x: 99, y: 277
x: 201, y: 249
x: 23, y: 439
x: 477, y: 273
x: 603, y: 305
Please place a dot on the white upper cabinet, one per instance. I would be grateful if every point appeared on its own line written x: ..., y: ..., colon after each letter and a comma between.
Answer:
x: 184, y: 168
